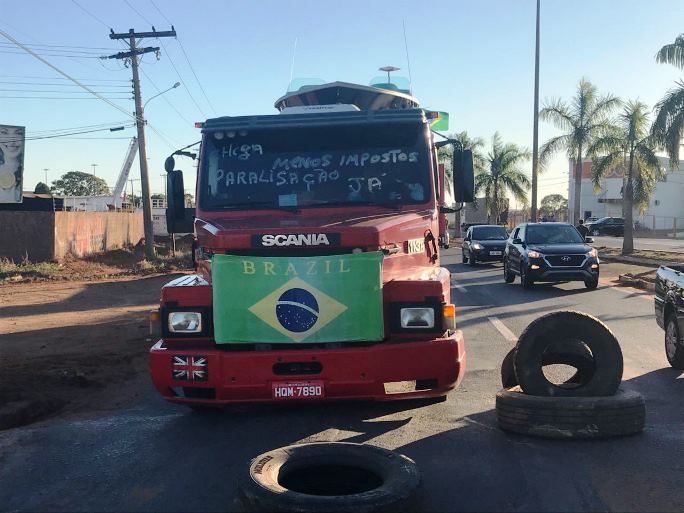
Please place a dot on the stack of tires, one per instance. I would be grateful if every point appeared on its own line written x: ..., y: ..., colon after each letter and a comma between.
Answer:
x: 589, y: 404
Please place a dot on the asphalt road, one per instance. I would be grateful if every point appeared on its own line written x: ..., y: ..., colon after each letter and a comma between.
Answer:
x: 159, y: 457
x: 639, y: 243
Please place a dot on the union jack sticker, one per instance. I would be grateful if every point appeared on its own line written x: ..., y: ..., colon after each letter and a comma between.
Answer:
x: 192, y: 368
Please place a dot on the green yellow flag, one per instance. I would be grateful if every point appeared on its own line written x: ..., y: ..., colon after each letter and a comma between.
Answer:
x: 271, y: 300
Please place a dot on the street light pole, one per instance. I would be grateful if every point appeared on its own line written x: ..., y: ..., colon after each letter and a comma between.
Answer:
x: 46, y: 169
x: 159, y: 94
x: 535, y: 129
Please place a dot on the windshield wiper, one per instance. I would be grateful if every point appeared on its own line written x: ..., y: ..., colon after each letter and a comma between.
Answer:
x: 260, y: 204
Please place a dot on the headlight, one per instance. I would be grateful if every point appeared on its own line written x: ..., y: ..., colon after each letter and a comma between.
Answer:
x: 534, y: 254
x: 477, y: 247
x: 592, y: 253
x: 419, y: 318
x: 185, y: 322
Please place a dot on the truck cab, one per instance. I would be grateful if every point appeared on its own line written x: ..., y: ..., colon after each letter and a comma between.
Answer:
x: 318, y: 266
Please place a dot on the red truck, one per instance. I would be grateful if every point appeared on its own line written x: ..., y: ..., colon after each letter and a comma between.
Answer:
x: 318, y: 269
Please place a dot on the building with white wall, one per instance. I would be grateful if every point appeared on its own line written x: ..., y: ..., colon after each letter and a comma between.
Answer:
x: 665, y: 210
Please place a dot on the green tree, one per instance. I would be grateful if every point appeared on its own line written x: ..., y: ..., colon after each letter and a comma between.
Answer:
x: 42, y: 188
x: 502, y: 174
x: 585, y: 119
x: 668, y: 126
x: 77, y: 183
x: 553, y: 204
x: 630, y: 145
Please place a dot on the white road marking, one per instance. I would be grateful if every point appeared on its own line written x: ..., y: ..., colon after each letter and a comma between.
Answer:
x: 461, y: 288
x: 503, y: 329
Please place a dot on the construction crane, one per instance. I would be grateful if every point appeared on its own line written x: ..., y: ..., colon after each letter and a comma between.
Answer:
x: 123, y: 175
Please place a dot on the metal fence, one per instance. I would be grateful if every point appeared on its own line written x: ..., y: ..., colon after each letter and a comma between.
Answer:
x: 659, y: 225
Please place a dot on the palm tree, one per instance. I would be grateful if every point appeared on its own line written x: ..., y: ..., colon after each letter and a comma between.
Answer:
x: 630, y: 145
x: 502, y: 174
x: 585, y: 119
x: 668, y: 126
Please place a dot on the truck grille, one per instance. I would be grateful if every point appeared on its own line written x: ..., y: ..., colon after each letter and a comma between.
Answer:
x: 565, y: 260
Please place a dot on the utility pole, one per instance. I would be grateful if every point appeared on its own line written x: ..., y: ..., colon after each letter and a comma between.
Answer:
x: 132, y: 54
x: 46, y: 169
x: 535, y: 130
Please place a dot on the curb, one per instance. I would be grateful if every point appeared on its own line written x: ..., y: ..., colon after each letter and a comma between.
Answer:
x: 636, y: 260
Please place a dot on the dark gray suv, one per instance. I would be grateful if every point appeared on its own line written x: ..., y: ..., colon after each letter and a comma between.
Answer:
x: 550, y: 252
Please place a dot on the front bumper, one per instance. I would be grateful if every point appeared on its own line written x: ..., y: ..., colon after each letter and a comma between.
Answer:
x: 485, y: 255
x: 548, y: 273
x: 347, y: 373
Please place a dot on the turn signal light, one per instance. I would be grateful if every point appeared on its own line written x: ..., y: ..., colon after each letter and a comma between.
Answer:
x: 155, y: 324
x: 449, y: 317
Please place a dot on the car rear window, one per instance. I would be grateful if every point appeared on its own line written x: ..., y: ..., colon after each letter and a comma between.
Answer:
x: 490, y: 233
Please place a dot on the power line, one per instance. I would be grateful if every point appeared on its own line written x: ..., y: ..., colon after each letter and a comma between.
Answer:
x: 57, y: 91
x: 49, y: 48
x: 10, y: 82
x: 98, y: 125
x: 91, y: 14
x: 138, y: 13
x: 55, y: 55
x: 29, y: 138
x: 192, y: 69
x: 61, y: 78
x: 173, y: 64
x: 28, y: 50
x: 67, y: 97
x: 195, y: 75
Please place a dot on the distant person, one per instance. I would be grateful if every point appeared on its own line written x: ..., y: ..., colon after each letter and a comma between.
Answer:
x: 584, y: 231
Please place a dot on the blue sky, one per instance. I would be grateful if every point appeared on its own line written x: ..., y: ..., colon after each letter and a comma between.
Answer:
x: 474, y: 59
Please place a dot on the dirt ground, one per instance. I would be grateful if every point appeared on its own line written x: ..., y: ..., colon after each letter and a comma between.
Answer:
x: 69, y: 346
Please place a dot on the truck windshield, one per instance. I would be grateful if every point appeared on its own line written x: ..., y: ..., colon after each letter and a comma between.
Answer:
x: 386, y: 165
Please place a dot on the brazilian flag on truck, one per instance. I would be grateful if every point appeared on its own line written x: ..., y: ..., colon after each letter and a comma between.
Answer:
x: 275, y: 300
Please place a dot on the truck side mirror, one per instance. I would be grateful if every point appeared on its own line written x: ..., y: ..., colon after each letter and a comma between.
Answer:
x: 463, y: 176
x: 169, y: 164
x: 175, y: 199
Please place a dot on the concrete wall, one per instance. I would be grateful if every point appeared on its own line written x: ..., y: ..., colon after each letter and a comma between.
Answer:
x: 84, y: 233
x: 53, y: 235
x: 25, y: 234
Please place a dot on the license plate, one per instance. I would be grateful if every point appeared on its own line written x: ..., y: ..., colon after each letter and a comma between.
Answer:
x: 495, y: 253
x: 298, y: 390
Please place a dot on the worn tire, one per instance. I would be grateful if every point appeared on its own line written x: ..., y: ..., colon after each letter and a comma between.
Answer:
x: 552, y: 330
x: 674, y: 348
x: 260, y: 488
x: 571, y: 417
x: 584, y: 366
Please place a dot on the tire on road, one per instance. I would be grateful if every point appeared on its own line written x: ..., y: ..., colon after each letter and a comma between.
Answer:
x: 464, y: 258
x: 525, y: 279
x: 554, y: 333
x: 578, y: 358
x: 591, y: 284
x: 571, y: 417
x: 674, y: 345
x: 329, y: 476
x: 509, y: 277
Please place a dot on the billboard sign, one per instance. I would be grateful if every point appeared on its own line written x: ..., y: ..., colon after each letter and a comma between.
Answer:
x: 12, y: 140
